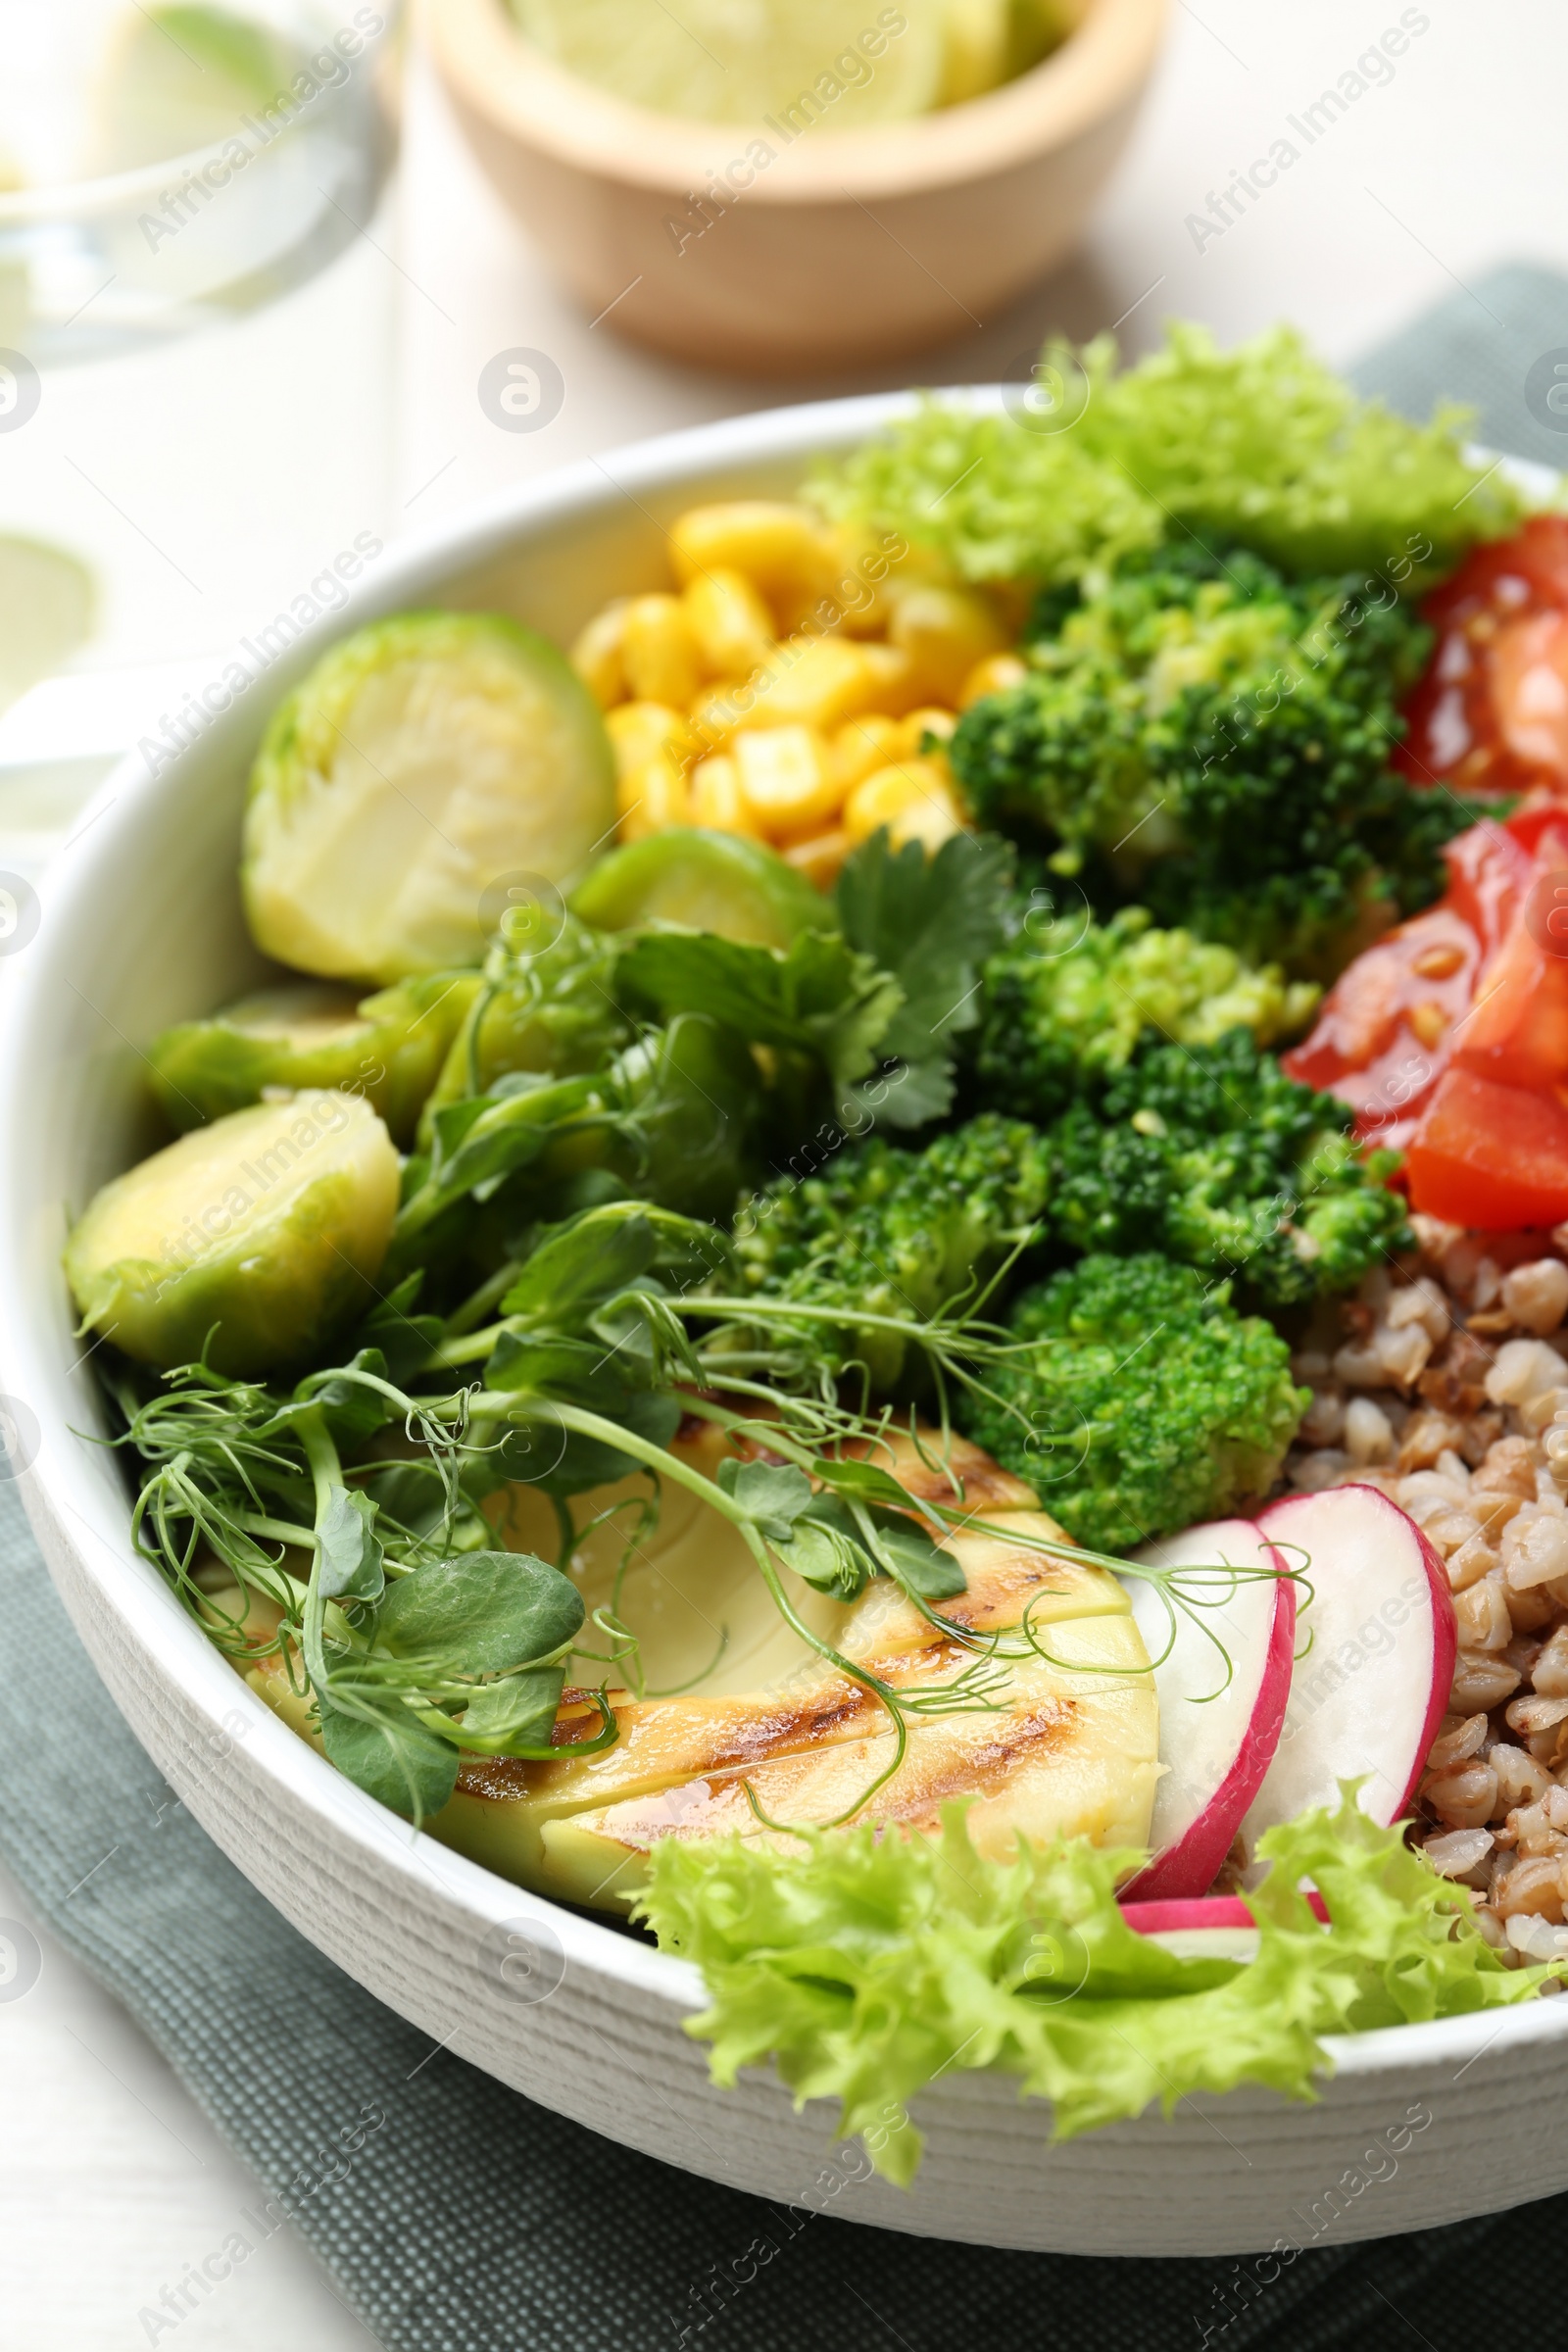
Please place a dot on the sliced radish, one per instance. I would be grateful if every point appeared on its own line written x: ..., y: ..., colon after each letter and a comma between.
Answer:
x: 1212, y: 1927
x: 1368, y: 1696
x: 1216, y: 1745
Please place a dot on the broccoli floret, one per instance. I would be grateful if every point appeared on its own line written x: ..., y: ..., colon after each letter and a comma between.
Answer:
x: 1204, y: 734
x: 1213, y: 1155
x: 1067, y: 1001
x: 1144, y: 1404
x: 889, y: 1231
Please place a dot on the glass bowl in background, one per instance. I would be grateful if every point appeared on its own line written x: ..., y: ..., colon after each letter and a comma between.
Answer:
x: 196, y: 336
x: 120, y: 236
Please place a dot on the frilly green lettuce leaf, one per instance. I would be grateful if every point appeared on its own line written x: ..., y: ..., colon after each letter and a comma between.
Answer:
x: 866, y: 1965
x: 1262, y: 445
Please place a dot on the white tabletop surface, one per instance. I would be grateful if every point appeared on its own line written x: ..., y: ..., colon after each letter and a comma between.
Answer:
x: 111, y: 2181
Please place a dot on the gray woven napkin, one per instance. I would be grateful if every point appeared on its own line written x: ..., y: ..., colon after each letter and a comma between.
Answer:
x: 468, y: 2220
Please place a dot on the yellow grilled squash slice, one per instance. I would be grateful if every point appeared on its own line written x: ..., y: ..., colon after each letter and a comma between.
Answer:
x: 1066, y: 1748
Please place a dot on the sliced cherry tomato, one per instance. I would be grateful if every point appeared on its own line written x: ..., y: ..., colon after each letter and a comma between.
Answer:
x: 1492, y: 1156
x: 1517, y: 1029
x: 1530, y: 689
x: 1386, y: 1030
x: 1491, y: 716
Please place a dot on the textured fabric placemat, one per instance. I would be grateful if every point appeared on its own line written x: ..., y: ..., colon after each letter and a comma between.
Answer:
x: 1493, y: 345
x: 473, y: 2221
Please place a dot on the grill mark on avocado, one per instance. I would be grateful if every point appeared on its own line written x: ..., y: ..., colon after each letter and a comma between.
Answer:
x: 913, y: 1798
x: 745, y: 1737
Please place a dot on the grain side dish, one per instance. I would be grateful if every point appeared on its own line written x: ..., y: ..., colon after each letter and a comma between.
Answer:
x: 880, y: 1285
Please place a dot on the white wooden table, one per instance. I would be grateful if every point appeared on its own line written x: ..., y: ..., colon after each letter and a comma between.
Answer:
x: 110, y: 2180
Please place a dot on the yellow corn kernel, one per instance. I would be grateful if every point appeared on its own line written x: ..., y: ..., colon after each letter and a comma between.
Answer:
x: 863, y: 744
x: 716, y: 798
x: 782, y: 550
x: 596, y: 654
x: 896, y: 686
x: 807, y: 682
x: 913, y: 800
x: 945, y: 631
x: 658, y: 650
x: 640, y: 731
x: 820, y: 858
x: 862, y: 574
x: 931, y: 719
x: 787, y: 780
x: 928, y: 820
x: 732, y: 625
x: 994, y: 675
x: 651, y: 797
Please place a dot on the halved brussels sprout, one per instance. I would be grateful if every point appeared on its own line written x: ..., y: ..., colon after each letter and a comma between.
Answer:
x: 425, y: 761
x: 709, y: 881
x: 249, y: 1239
x: 389, y: 1047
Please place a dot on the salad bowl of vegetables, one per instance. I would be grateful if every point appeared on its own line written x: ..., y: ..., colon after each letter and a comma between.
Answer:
x: 694, y: 1370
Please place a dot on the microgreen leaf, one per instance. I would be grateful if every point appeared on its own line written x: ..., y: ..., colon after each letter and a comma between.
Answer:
x: 582, y: 1264
x: 350, y: 1553
x: 771, y: 1495
x: 392, y: 1757
x: 571, y: 1464
x: 484, y: 1612
x: 404, y: 1340
x: 864, y: 1481
x: 352, y: 1410
x: 518, y: 1712
x: 548, y: 1364
x: 824, y: 1551
x: 480, y: 1142
x: 913, y: 1561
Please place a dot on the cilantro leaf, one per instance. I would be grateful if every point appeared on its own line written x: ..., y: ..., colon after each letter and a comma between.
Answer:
x: 818, y: 993
x: 931, y: 922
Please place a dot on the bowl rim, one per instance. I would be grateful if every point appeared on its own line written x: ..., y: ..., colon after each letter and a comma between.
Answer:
x: 128, y: 1588
x: 493, y: 69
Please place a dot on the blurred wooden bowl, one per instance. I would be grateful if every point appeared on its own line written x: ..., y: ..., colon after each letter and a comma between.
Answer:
x: 839, y: 245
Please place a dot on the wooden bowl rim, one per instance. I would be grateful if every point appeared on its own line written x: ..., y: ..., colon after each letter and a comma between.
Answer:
x: 488, y: 66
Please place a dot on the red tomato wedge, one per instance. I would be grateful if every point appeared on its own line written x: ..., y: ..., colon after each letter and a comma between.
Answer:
x: 1386, y: 1030
x: 1490, y: 1156
x: 1451, y: 1036
x: 1491, y: 716
x: 1530, y: 691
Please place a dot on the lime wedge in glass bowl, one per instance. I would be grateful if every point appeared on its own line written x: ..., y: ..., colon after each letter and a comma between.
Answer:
x: 840, y: 62
x: 178, y: 78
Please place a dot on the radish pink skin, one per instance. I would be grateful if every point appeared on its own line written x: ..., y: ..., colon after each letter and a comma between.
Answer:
x: 1198, y: 1911
x: 1445, y: 1630
x: 1188, y: 1869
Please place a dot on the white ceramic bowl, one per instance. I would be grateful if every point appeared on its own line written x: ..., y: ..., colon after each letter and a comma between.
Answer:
x: 140, y: 925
